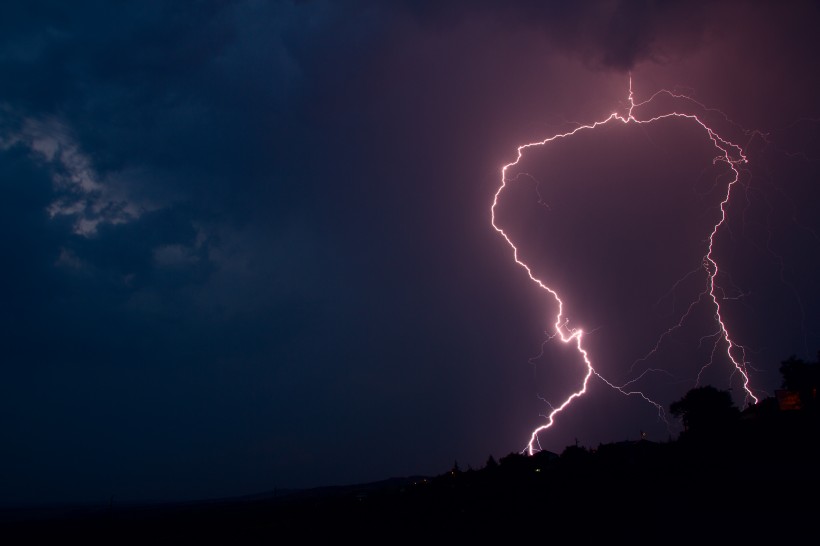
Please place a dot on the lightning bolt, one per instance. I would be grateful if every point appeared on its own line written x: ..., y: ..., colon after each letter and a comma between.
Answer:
x: 729, y: 153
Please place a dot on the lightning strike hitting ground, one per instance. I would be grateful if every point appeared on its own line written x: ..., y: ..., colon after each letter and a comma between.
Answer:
x: 729, y: 153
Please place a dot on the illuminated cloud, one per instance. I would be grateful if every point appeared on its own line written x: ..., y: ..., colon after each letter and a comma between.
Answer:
x: 81, y: 194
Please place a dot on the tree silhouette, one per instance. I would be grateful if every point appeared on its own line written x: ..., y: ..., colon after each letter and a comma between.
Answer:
x: 705, y: 411
x: 456, y: 469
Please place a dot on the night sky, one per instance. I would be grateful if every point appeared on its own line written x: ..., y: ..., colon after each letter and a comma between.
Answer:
x: 248, y: 245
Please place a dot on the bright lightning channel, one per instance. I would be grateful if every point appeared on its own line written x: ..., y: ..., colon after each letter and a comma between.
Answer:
x: 729, y: 153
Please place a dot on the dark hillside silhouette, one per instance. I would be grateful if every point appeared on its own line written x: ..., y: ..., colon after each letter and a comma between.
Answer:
x: 733, y: 476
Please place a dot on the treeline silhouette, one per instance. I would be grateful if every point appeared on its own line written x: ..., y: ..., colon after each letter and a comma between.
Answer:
x: 731, y: 476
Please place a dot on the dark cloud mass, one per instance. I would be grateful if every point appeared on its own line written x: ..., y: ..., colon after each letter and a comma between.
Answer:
x: 247, y: 244
x: 604, y: 35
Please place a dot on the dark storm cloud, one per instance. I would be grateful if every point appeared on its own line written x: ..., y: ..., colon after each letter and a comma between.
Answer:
x: 161, y: 95
x: 137, y: 109
x: 605, y: 34
x: 158, y: 227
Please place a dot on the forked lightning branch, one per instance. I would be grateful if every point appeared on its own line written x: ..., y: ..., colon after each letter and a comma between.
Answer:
x: 727, y: 152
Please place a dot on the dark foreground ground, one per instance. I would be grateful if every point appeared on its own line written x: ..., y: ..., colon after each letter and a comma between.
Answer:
x: 755, y: 485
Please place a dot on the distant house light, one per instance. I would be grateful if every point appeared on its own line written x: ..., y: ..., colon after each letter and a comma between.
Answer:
x: 788, y: 400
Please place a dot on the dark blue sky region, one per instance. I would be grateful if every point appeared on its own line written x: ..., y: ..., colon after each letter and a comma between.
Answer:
x: 247, y: 245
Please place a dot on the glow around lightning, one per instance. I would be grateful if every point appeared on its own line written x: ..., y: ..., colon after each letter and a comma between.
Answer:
x: 729, y: 153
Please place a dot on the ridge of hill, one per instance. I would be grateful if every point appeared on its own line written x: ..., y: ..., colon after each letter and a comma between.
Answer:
x: 752, y: 480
